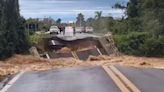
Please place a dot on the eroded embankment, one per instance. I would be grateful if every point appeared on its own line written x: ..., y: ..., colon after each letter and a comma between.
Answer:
x: 19, y: 63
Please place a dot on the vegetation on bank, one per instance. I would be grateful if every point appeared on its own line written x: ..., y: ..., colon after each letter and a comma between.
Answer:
x: 140, y: 32
x: 140, y: 43
x: 35, y: 38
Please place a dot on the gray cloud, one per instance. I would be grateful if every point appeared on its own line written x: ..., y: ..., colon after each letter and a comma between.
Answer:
x: 68, y: 8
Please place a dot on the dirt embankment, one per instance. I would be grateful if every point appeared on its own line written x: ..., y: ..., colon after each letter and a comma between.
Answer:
x: 19, y: 63
x: 129, y: 60
x: 29, y: 63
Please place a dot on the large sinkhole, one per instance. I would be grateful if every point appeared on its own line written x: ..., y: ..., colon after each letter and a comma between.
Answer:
x: 80, y: 48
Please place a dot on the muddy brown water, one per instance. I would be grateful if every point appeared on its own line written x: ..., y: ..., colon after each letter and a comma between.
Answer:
x: 1, y: 78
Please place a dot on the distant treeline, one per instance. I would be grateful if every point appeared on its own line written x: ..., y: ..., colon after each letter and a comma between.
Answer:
x: 13, y: 38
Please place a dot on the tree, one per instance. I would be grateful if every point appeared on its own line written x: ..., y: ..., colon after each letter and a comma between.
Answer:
x: 142, y: 32
x: 98, y: 15
x: 58, y: 21
x: 119, y: 6
x: 23, y: 42
x: 13, y: 38
x: 90, y: 22
x: 11, y: 13
x: 80, y: 20
x: 132, y: 9
x: 153, y: 16
x: 101, y: 24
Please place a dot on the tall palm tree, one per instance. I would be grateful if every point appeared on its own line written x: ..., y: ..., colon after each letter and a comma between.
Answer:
x: 98, y: 15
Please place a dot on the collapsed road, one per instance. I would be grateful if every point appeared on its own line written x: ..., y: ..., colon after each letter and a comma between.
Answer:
x: 86, y: 79
x: 89, y: 79
x: 80, y: 46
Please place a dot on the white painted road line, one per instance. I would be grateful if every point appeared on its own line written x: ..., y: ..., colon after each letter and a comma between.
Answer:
x: 99, y: 51
x: 11, y: 82
x: 48, y: 57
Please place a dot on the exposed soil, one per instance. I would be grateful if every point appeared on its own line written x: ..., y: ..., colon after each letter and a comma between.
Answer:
x: 1, y: 78
x: 129, y: 60
x: 19, y: 63
x: 29, y: 63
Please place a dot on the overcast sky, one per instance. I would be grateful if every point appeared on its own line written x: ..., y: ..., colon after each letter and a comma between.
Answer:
x: 68, y: 9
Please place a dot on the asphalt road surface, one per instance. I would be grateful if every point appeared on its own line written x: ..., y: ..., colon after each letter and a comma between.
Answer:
x: 92, y: 79
x: 69, y: 36
x: 89, y: 79
x: 147, y: 80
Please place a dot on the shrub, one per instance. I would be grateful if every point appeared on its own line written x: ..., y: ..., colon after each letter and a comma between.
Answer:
x: 139, y: 43
x: 153, y: 47
x: 35, y: 38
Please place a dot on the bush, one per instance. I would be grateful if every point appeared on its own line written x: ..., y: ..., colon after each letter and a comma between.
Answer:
x: 139, y: 43
x: 153, y: 47
x: 35, y: 38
